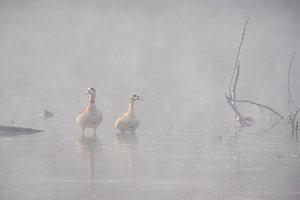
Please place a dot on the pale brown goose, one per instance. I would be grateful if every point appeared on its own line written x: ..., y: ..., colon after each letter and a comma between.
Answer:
x: 90, y: 116
x: 128, y: 121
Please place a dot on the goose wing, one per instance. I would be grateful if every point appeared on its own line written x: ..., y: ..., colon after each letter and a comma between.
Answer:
x: 82, y: 110
x: 120, y: 117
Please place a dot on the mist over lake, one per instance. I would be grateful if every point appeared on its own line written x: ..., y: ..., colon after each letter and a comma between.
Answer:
x: 179, y: 56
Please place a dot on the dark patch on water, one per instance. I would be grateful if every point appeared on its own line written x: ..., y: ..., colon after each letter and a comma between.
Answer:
x: 11, y: 131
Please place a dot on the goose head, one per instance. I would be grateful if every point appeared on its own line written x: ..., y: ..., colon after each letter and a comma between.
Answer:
x: 92, y: 94
x: 91, y: 91
x: 135, y: 97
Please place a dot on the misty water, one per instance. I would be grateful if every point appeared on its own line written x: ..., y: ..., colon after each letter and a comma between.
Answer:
x: 179, y: 56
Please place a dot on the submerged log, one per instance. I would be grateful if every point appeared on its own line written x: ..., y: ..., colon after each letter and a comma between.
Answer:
x: 12, y: 131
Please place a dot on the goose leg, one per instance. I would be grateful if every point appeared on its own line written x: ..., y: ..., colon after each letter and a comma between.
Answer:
x: 83, y: 130
x: 94, y: 131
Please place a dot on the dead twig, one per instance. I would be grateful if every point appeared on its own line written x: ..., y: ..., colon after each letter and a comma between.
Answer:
x: 259, y: 105
x: 297, y: 131
x: 236, y: 81
x: 239, y: 120
x: 229, y: 100
x: 232, y: 88
x: 292, y: 117
x: 290, y: 100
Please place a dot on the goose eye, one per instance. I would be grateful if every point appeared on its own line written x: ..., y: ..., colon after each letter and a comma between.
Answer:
x: 135, y: 95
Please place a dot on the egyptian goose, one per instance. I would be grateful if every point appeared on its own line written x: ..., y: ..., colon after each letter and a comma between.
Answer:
x: 90, y: 116
x: 128, y: 121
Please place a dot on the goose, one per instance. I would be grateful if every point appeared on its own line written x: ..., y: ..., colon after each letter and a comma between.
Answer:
x: 90, y: 116
x: 128, y: 121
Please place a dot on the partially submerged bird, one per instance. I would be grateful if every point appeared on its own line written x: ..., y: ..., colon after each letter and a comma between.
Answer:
x: 47, y: 114
x: 90, y: 116
x: 128, y: 121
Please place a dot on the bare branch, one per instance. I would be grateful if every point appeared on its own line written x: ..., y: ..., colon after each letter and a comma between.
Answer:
x: 290, y: 100
x: 231, y: 98
x: 232, y: 93
x: 236, y: 80
x: 266, y: 130
x: 296, y: 131
x: 260, y: 106
x: 233, y: 106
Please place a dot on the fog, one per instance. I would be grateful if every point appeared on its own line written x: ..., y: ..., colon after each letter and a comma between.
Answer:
x: 179, y: 56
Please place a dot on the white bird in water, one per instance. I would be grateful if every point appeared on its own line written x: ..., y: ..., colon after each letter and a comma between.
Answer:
x: 90, y: 116
x: 128, y: 121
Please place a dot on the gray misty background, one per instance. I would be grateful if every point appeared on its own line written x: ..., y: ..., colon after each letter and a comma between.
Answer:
x: 179, y: 56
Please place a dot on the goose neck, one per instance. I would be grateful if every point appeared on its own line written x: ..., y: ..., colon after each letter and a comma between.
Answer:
x: 92, y: 98
x: 131, y: 107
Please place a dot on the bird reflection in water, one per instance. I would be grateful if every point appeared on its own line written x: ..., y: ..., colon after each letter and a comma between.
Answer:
x: 87, y: 148
x: 127, y: 143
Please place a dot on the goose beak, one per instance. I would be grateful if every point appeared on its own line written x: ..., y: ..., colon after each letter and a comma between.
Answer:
x: 140, y: 98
